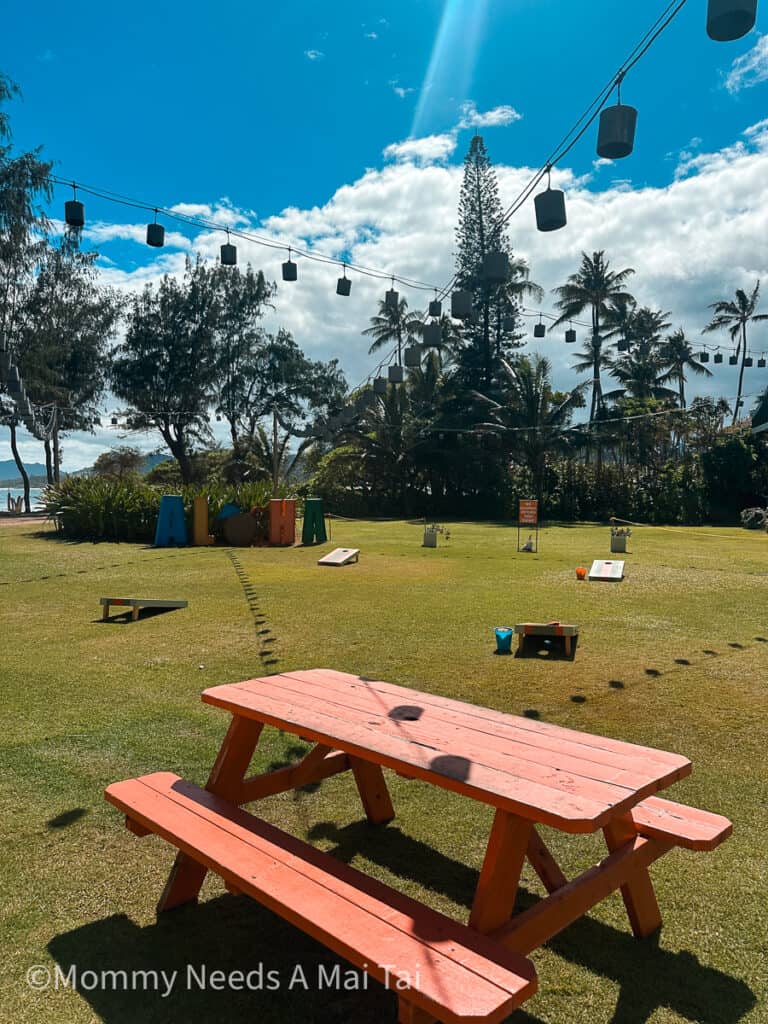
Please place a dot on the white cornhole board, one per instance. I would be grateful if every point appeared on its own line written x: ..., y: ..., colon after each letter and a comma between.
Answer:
x: 608, y: 572
x: 340, y: 556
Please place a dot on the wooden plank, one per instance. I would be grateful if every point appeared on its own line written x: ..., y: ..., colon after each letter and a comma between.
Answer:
x: 684, y: 826
x: 292, y: 777
x: 360, y: 919
x: 476, y: 714
x: 545, y: 919
x: 546, y: 629
x: 556, y: 770
x: 606, y: 571
x: 544, y: 864
x: 571, y: 812
x: 144, y: 602
x: 500, y: 874
x: 373, y: 791
x: 637, y: 891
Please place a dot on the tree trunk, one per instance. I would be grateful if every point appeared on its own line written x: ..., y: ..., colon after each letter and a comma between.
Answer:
x: 56, y: 456
x: 20, y: 466
x: 741, y: 373
x: 276, y: 454
x: 48, y: 460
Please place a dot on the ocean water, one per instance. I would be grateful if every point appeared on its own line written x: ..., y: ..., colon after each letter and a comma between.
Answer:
x: 18, y: 492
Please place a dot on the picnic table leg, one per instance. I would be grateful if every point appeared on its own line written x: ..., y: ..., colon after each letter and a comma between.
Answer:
x: 105, y: 613
x: 134, y: 613
x: 637, y: 892
x: 231, y: 764
x: 544, y: 864
x: 499, y: 877
x: 373, y: 791
x: 407, y: 1013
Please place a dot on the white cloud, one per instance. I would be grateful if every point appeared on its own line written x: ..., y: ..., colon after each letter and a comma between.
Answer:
x: 471, y: 117
x: 314, y: 54
x: 371, y: 35
x: 691, y: 242
x: 400, y: 90
x: 427, y: 150
x: 750, y: 69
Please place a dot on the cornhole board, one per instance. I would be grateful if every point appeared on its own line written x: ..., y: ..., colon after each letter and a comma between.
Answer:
x: 340, y: 556
x: 136, y: 603
x: 607, y: 571
x: 566, y: 630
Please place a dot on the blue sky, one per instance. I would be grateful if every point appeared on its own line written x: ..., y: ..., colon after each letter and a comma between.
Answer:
x: 296, y: 120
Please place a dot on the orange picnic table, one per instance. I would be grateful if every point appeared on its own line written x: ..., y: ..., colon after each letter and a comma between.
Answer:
x: 531, y: 772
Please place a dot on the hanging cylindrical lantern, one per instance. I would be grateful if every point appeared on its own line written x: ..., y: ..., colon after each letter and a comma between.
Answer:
x: 703, y: 357
x: 114, y: 421
x: 570, y: 336
x: 730, y: 19
x: 290, y: 270
x: 508, y: 324
x: 228, y: 254
x: 761, y: 363
x: 539, y: 330
x: 435, y: 307
x: 396, y: 374
x: 380, y: 385
x: 461, y: 304
x: 550, y: 210
x: 748, y: 361
x: 413, y: 356
x: 14, y: 380
x: 616, y: 134
x: 155, y: 234
x: 495, y: 267
x: 74, y: 213
x: 718, y: 357
x: 732, y: 361
x: 432, y: 335
x: 622, y: 345
x: 392, y: 298
x: 343, y: 285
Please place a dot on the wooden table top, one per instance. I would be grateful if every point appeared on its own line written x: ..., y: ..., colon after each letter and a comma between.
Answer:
x: 572, y: 780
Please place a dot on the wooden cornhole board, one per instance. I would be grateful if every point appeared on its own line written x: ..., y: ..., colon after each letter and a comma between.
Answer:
x: 566, y: 630
x: 340, y: 556
x: 607, y: 571
x: 136, y: 603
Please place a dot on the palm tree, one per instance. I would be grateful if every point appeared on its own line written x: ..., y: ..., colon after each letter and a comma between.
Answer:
x: 593, y: 285
x: 679, y: 356
x: 734, y: 317
x: 393, y: 323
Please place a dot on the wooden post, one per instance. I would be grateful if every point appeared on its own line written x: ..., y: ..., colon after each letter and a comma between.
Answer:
x: 500, y: 875
x: 637, y: 892
x: 544, y: 864
x: 373, y: 791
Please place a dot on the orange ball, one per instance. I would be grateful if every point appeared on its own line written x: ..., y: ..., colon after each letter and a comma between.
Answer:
x: 581, y: 573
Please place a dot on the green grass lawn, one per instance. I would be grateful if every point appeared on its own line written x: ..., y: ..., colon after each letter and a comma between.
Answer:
x: 674, y: 657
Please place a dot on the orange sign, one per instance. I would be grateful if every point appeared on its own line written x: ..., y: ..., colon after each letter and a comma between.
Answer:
x: 529, y: 513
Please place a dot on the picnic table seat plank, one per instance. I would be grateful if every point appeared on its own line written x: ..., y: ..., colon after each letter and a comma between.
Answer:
x: 684, y: 826
x: 494, y: 719
x: 463, y: 977
x: 558, y: 771
x: 569, y: 811
x: 452, y: 732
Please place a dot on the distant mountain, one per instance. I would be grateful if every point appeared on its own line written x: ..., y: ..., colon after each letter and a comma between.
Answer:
x: 9, y: 473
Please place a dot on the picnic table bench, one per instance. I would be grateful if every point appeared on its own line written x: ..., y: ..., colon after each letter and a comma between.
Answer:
x: 529, y: 771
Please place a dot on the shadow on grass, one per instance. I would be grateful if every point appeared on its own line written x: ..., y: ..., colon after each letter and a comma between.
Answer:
x: 66, y: 818
x: 124, y: 618
x: 551, y: 648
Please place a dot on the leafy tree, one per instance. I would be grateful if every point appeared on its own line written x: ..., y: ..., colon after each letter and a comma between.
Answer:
x: 119, y: 463
x: 733, y: 317
x: 166, y: 368
x: 393, y: 324
x: 678, y: 355
x: 596, y: 286
x: 24, y: 186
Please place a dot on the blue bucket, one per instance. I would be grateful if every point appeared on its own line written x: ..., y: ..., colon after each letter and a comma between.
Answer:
x: 504, y: 636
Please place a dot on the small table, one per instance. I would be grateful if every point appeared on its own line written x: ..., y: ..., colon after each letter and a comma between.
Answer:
x: 530, y: 772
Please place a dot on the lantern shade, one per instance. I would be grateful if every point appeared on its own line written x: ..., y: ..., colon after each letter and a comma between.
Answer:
x: 730, y: 19
x: 761, y: 364
x: 380, y: 386
x: 749, y: 361
x: 343, y: 286
x: 432, y: 335
x: 435, y: 307
x: 539, y: 331
x: 396, y: 374
x: 413, y: 356
x: 392, y: 299
x: 703, y: 357
x: 461, y: 304
x: 228, y: 255
x: 622, y: 345
x: 495, y: 268
x: 550, y: 210
x: 74, y: 213
x: 616, y: 135
x: 508, y: 324
x: 718, y: 357
x: 155, y: 235
x: 570, y: 336
x: 290, y: 270
x: 114, y: 421
x: 732, y: 360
